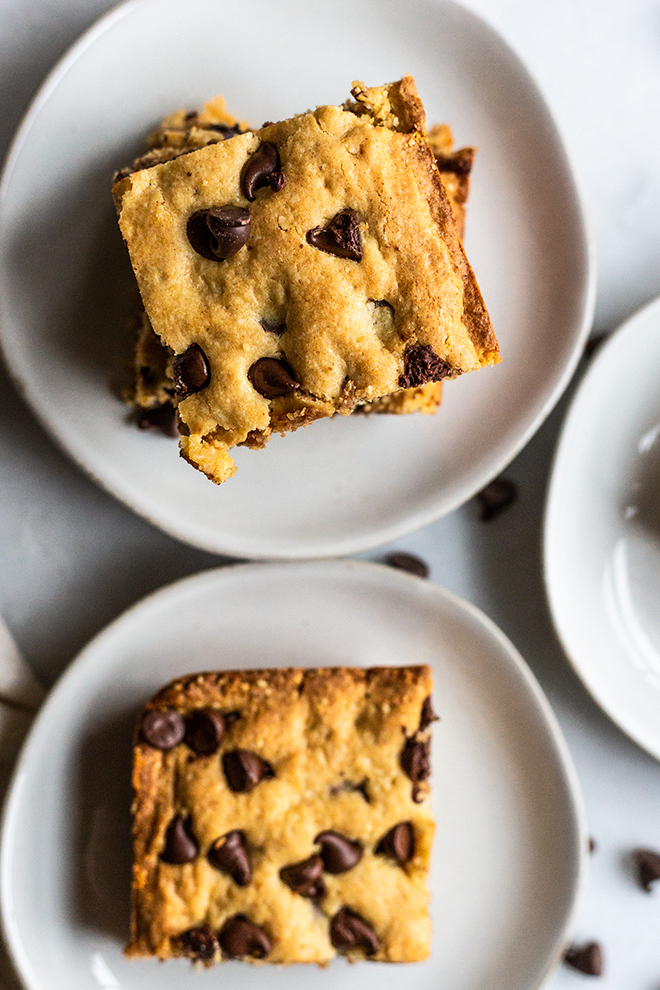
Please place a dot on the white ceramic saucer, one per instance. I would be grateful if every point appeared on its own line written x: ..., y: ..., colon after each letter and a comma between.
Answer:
x: 509, y: 849
x: 66, y: 288
x: 602, y: 529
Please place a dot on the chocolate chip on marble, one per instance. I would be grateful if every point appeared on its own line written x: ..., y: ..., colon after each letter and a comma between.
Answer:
x: 305, y: 878
x: 229, y: 854
x: 399, y: 843
x: 427, y: 716
x: 200, y: 943
x: 205, y: 728
x: 272, y: 326
x: 587, y: 958
x: 647, y: 862
x: 219, y: 233
x: 416, y: 763
x: 271, y: 377
x: 341, y: 236
x: 496, y: 497
x: 421, y: 365
x: 191, y: 371
x: 408, y: 562
x: 349, y: 930
x: 158, y: 419
x: 180, y: 844
x: 261, y: 169
x: 162, y: 728
x: 338, y: 852
x: 240, y: 937
x: 244, y: 770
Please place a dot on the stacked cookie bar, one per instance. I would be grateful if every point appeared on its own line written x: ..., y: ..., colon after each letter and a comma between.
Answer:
x: 302, y: 270
x: 283, y: 815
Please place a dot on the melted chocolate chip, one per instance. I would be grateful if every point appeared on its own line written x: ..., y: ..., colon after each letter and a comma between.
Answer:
x: 416, y: 763
x: 399, y: 843
x: 338, y: 852
x: 229, y: 854
x: 180, y: 843
x: 199, y: 943
x: 349, y: 930
x: 244, y: 770
x: 585, y: 958
x: 427, y: 715
x: 159, y: 419
x: 459, y: 163
x: 421, y: 365
x: 271, y: 377
x: 496, y: 497
x: 162, y: 728
x: 262, y: 168
x: 341, y: 236
x: 408, y: 562
x: 240, y: 937
x: 219, y: 233
x: 647, y: 862
x: 305, y: 878
x: 191, y: 371
x: 205, y: 728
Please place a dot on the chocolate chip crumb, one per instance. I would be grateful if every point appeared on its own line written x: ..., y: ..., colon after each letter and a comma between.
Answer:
x: 341, y: 236
x: 191, y: 371
x: 587, y: 958
x: 408, y: 562
x: 421, y: 365
x: 199, y: 943
x: 647, y: 862
x: 496, y: 497
x: 240, y: 937
x: 162, y: 728
x: 349, y: 930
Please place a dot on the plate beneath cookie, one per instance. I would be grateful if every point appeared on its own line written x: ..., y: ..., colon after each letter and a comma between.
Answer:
x: 509, y: 853
x: 67, y: 290
x: 602, y: 529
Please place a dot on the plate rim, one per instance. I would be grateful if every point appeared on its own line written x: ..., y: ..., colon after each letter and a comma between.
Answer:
x: 357, y: 570
x: 648, y: 311
x: 208, y: 538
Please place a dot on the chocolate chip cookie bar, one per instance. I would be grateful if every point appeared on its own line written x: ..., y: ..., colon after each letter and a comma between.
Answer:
x: 283, y: 815
x: 301, y: 270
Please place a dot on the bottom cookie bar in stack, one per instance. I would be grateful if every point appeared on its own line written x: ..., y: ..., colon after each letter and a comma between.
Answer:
x: 284, y: 816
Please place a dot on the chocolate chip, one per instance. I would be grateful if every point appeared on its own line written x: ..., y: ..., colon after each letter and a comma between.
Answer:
x: 205, y: 728
x: 647, y: 862
x: 341, y: 236
x: 229, y: 854
x: 227, y: 130
x: 349, y: 785
x: 159, y: 419
x: 259, y: 168
x: 191, y: 371
x: 162, y: 728
x: 271, y: 326
x: 399, y: 843
x: 349, y: 930
x: 277, y: 181
x: 244, y: 770
x: 271, y: 377
x: 219, y: 233
x: 199, y: 943
x: 421, y: 365
x: 427, y: 715
x: 305, y: 878
x: 408, y: 562
x: 240, y: 937
x: 585, y: 958
x: 496, y: 497
x: 459, y: 163
x: 180, y: 843
x: 416, y: 763
x: 338, y: 852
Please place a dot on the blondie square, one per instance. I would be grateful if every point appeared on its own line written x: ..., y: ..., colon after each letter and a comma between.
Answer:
x: 283, y: 815
x: 302, y: 270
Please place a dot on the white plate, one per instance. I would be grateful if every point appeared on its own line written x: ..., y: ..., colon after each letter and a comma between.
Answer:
x: 509, y: 848
x: 340, y: 486
x: 602, y: 529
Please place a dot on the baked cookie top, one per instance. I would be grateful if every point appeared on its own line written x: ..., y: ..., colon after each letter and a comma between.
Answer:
x: 318, y: 255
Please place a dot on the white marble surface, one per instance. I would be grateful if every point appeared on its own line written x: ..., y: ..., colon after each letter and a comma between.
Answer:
x: 73, y: 559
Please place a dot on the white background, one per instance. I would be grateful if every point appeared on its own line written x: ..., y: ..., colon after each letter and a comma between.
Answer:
x: 71, y: 558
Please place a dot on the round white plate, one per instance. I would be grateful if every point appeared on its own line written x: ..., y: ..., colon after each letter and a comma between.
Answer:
x: 602, y: 529
x: 343, y: 485
x: 509, y: 849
